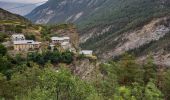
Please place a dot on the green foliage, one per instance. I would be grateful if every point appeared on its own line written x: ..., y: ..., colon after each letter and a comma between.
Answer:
x: 67, y: 57
x: 129, y: 71
x: 166, y: 84
x: 54, y: 57
x: 6, y: 66
x: 42, y: 84
x: 25, y: 79
x: 2, y: 37
x: 106, y: 85
x: 30, y: 37
x: 19, y: 28
x: 138, y: 92
x: 45, y: 32
x: 3, y: 50
x: 150, y: 70
x: 124, y: 94
x: 152, y: 92
x: 125, y: 79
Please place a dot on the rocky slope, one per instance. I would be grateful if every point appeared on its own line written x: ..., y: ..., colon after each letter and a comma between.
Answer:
x: 86, y: 69
x: 151, y: 39
x: 153, y: 31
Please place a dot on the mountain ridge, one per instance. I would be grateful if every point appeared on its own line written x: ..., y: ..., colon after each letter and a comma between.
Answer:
x: 21, y: 11
x: 8, y: 16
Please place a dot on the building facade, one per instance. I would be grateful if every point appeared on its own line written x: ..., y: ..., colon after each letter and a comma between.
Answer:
x: 26, y: 45
x: 20, y: 44
x: 60, y: 40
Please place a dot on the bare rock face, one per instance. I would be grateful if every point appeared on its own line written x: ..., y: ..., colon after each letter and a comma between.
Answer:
x: 85, y: 68
x: 155, y: 30
x: 153, y: 38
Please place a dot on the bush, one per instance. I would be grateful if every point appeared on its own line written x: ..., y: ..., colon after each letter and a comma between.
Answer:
x: 30, y: 37
x: 3, y: 50
x: 54, y: 57
x: 3, y: 36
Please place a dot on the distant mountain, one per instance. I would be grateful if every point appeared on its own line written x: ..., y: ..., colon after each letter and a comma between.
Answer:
x: 59, y: 11
x: 106, y: 24
x: 21, y: 11
x: 7, y: 16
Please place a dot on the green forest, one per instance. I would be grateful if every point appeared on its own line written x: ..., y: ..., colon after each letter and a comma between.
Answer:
x: 36, y: 78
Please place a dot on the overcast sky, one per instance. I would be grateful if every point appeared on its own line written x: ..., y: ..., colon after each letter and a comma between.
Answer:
x: 24, y: 1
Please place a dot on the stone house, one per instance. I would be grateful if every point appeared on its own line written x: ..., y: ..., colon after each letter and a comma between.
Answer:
x: 20, y: 44
x: 26, y: 45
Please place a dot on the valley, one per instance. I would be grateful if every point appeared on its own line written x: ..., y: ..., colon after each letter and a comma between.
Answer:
x: 86, y: 50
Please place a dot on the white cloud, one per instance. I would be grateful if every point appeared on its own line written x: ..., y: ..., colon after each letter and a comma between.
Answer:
x: 24, y: 1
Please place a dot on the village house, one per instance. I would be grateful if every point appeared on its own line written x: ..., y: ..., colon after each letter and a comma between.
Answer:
x: 26, y: 45
x: 20, y: 44
x: 86, y: 52
x: 60, y: 40
x: 17, y: 37
x: 64, y: 42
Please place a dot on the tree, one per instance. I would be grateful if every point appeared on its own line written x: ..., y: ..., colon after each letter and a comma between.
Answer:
x: 67, y: 57
x: 30, y: 37
x: 2, y: 37
x: 60, y: 85
x: 5, y: 66
x: 138, y: 92
x: 166, y: 85
x: 128, y: 71
x: 149, y: 70
x: 124, y: 93
x: 152, y: 92
x: 108, y: 83
x: 3, y: 50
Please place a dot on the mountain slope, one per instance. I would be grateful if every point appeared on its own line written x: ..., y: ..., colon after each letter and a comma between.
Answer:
x: 59, y: 11
x: 21, y: 11
x: 5, y: 15
x: 102, y: 23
